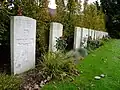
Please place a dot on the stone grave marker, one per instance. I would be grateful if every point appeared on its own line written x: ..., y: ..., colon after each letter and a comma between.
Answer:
x: 89, y: 32
x: 104, y: 34
x: 23, y: 43
x: 77, y: 37
x: 92, y: 34
x: 95, y: 35
x: 56, y: 31
x: 84, y: 36
x: 100, y: 34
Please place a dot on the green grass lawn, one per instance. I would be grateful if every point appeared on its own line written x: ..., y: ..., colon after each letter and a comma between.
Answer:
x: 105, y: 60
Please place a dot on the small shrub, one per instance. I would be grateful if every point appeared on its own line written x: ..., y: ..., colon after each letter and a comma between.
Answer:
x: 61, y: 44
x: 58, y: 66
x: 9, y: 82
x: 77, y: 54
x: 106, y: 38
x: 82, y: 52
x: 93, y: 44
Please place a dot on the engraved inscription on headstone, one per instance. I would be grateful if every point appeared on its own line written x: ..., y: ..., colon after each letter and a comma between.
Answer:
x: 23, y: 39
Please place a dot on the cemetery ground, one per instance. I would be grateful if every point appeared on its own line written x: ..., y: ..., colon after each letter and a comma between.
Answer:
x: 104, y: 60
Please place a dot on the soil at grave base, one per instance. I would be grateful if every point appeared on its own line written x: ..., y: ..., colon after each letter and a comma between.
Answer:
x: 5, y: 68
x: 31, y: 80
x: 5, y: 59
x: 34, y: 79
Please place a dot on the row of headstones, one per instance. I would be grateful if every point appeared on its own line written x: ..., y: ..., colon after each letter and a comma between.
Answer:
x: 80, y: 35
x: 23, y: 41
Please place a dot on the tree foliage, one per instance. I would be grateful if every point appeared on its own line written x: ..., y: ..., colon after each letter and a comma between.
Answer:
x: 93, y: 18
x: 112, y: 16
x: 30, y: 9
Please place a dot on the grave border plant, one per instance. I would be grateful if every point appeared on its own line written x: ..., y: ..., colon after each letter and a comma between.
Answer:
x: 53, y: 66
x: 94, y: 44
x: 61, y: 44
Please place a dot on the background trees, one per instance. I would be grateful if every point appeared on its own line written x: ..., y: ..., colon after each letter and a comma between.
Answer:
x: 93, y: 18
x: 111, y: 9
x: 71, y: 16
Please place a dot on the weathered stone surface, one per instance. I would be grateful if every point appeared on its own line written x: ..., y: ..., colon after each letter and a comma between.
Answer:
x: 56, y: 31
x: 23, y: 41
x: 77, y: 37
x: 84, y: 36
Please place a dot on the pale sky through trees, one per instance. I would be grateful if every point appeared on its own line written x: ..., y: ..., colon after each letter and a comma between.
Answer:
x: 91, y: 1
x: 52, y: 3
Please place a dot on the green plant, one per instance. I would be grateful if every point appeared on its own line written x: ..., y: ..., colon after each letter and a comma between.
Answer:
x: 9, y: 82
x: 82, y: 52
x: 57, y: 66
x: 112, y: 17
x: 61, y: 44
x: 93, y: 44
x: 94, y: 20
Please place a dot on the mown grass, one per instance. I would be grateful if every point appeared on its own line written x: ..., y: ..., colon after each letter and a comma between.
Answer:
x: 105, y: 60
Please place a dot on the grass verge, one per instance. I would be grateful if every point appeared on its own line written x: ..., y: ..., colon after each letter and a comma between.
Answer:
x: 105, y: 60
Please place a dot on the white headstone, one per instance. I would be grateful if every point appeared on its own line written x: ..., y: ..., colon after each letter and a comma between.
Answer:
x: 92, y: 34
x: 95, y: 35
x: 104, y: 34
x: 56, y: 31
x: 89, y: 32
x: 23, y: 41
x: 100, y: 34
x: 77, y: 37
x: 84, y: 36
